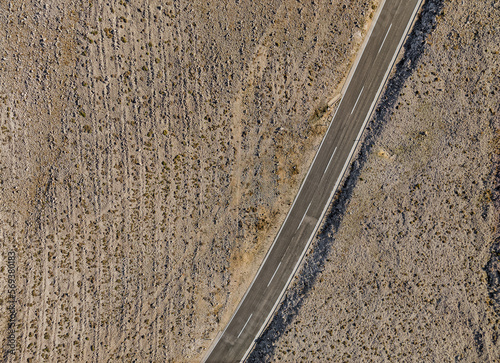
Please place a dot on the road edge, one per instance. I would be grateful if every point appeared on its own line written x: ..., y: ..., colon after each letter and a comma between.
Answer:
x: 346, y: 83
x: 349, y: 158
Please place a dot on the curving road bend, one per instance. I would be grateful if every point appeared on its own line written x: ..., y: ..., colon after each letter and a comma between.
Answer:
x: 317, y: 189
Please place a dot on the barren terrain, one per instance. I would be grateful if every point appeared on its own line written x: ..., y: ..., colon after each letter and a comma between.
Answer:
x: 406, y: 267
x: 148, y: 154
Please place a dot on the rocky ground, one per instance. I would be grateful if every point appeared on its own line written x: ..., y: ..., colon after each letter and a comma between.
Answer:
x: 148, y: 154
x: 406, y: 267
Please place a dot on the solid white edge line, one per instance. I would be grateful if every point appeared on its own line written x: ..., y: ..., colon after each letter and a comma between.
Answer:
x: 216, y: 341
x: 269, y: 283
x: 381, y: 45
x: 218, y: 337
x: 304, y: 216
x: 419, y: 2
x: 244, y: 326
x: 357, y: 99
x: 331, y: 157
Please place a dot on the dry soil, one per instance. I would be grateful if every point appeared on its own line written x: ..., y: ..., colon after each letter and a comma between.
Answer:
x: 148, y: 154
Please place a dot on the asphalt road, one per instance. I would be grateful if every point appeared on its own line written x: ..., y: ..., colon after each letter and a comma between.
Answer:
x: 320, y: 184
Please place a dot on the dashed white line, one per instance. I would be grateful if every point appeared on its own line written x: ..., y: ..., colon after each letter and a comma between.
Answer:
x: 357, y: 99
x: 379, y: 49
x: 269, y: 283
x: 244, y: 325
x: 304, y: 216
x: 331, y: 157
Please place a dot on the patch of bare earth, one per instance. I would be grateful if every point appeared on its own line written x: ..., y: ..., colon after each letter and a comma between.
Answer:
x: 406, y: 268
x: 148, y: 153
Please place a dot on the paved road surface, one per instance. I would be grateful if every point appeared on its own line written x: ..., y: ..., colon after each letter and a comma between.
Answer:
x: 317, y: 190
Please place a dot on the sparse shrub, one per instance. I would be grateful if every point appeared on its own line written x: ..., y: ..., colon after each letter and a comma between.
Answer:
x: 109, y: 32
x: 319, y: 112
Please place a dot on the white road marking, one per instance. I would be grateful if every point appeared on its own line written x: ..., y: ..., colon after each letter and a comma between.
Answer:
x: 379, y: 49
x: 244, y: 325
x: 357, y: 99
x: 269, y: 283
x: 304, y: 216
x: 331, y: 157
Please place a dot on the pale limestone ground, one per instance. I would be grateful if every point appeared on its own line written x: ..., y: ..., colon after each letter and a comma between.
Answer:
x: 148, y: 154
x: 404, y: 278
